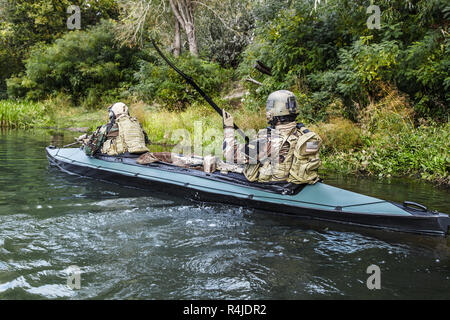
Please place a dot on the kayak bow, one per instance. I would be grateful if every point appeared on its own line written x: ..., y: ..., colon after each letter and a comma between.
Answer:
x: 319, y: 201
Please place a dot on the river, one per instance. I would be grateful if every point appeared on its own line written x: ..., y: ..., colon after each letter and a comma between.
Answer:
x: 130, y: 244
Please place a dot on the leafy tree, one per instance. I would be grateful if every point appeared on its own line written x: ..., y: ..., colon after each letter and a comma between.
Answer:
x: 156, y: 81
x: 179, y: 22
x: 223, y: 41
x: 324, y: 51
x: 87, y: 65
x: 25, y: 23
x: 142, y: 16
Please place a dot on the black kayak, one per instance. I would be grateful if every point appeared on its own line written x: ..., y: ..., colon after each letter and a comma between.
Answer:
x: 319, y: 201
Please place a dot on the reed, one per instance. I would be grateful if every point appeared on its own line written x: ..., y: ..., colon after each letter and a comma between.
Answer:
x: 21, y: 114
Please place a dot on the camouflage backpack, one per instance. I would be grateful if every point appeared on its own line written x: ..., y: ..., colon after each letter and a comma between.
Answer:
x: 300, y: 163
x: 306, y: 162
x: 126, y: 135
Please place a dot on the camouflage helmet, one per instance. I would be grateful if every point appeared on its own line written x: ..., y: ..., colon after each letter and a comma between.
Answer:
x: 281, y: 103
x: 117, y: 109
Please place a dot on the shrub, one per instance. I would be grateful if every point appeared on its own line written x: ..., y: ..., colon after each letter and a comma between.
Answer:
x: 361, y: 71
x: 86, y: 64
x: 403, y: 150
x: 22, y: 114
x: 224, y: 44
x: 425, y: 74
x: 338, y: 135
x: 392, y: 113
x: 422, y: 150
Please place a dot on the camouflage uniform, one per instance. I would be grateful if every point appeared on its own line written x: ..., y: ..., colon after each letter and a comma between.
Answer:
x: 276, y: 155
x: 122, y: 134
x: 285, y: 152
x: 126, y: 135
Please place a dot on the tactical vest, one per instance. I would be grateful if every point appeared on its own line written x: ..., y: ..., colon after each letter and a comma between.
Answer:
x: 298, y: 163
x: 125, y: 136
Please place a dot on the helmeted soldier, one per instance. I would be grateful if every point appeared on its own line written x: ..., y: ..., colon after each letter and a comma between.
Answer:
x: 120, y: 135
x: 285, y: 151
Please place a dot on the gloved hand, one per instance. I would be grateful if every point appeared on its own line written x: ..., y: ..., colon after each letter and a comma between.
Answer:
x: 227, y: 119
x: 82, y: 137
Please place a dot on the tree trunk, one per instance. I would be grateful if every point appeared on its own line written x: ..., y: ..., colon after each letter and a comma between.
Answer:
x: 177, y: 40
x: 184, y: 14
x: 192, y: 39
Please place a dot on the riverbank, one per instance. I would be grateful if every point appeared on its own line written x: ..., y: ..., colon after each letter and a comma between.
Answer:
x: 386, y: 144
x: 134, y: 244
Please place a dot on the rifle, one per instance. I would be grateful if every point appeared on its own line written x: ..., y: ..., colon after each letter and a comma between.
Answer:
x: 71, y: 144
x: 78, y: 140
x: 196, y: 87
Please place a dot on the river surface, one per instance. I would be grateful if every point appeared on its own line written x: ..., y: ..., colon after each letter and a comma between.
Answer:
x: 130, y: 244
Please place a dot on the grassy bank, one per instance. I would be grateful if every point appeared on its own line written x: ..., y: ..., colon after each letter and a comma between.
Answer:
x: 385, y: 142
x: 421, y: 152
x: 22, y: 114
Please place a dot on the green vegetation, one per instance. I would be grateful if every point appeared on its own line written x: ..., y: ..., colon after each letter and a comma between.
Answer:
x: 378, y: 97
x: 329, y: 54
x: 22, y: 114
x: 25, y: 24
x: 157, y: 82
x: 422, y: 152
x: 87, y: 66
x: 393, y: 148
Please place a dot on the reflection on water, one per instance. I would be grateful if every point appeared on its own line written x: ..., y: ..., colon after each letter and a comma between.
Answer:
x: 129, y: 243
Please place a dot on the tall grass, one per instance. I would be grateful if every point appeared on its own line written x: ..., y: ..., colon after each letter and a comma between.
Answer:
x: 386, y: 142
x: 160, y: 123
x: 22, y: 114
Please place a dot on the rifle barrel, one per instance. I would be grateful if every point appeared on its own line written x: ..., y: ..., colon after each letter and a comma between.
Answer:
x: 71, y: 144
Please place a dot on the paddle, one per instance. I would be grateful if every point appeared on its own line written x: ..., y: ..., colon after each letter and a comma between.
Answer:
x: 196, y: 87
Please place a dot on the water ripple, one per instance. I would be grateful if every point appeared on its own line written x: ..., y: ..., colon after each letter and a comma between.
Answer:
x: 132, y: 244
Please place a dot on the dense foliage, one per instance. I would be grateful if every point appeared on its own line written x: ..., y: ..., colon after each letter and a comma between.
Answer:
x: 378, y: 97
x: 86, y: 65
x: 158, y: 82
x: 224, y: 41
x: 329, y: 53
x: 421, y: 151
x: 25, y: 23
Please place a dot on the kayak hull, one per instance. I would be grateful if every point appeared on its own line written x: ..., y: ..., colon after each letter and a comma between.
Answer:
x: 313, y: 202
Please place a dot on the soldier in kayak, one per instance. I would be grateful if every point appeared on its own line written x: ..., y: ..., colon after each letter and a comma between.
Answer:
x: 120, y: 135
x: 285, y: 151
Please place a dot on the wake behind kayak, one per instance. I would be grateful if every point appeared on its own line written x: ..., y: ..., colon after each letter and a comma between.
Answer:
x: 319, y: 201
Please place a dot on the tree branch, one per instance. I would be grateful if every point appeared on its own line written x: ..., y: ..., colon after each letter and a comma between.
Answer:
x: 218, y: 16
x: 249, y: 79
x: 174, y: 5
x: 182, y: 10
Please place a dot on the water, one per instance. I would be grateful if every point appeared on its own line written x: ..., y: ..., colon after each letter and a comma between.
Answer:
x: 129, y: 244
